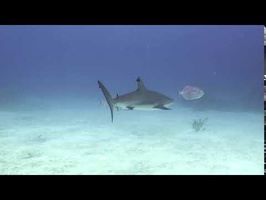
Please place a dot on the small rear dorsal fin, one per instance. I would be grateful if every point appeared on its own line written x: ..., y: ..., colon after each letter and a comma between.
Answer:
x: 140, y: 84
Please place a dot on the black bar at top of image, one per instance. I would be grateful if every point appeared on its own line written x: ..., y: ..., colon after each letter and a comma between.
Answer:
x: 117, y: 13
x: 139, y: 16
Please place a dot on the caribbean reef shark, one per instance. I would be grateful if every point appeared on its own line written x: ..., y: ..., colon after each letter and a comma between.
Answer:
x: 141, y: 99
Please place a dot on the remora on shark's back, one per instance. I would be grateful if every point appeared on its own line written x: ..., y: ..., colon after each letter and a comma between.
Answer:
x: 141, y: 99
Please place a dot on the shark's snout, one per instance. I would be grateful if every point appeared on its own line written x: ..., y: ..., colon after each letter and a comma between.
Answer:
x: 169, y: 102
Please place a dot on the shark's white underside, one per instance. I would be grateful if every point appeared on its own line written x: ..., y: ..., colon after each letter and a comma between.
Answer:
x: 139, y: 107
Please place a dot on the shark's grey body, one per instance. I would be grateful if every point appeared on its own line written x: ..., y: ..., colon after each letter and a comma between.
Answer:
x: 141, y: 99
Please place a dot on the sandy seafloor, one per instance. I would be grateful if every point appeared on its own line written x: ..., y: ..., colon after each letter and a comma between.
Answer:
x: 82, y: 140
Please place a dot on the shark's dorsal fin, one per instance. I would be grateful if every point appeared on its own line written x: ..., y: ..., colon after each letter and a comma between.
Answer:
x: 140, y: 84
x: 117, y: 95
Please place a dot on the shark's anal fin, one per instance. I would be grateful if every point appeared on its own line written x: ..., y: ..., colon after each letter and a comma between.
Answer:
x: 162, y: 107
x: 130, y: 107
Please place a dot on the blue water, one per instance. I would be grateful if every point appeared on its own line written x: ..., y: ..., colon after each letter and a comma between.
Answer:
x: 49, y: 96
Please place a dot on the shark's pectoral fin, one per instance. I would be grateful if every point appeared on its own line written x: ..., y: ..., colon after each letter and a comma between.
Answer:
x: 162, y: 107
x: 130, y: 107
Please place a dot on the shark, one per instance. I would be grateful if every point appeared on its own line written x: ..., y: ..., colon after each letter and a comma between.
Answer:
x: 140, y: 99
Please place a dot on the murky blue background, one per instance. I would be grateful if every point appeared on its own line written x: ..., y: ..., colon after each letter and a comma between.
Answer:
x: 64, y: 61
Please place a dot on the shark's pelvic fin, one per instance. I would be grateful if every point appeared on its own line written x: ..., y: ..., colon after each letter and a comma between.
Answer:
x: 162, y: 107
x: 130, y: 107
x: 140, y: 84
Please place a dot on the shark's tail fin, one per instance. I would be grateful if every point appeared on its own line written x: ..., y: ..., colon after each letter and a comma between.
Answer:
x: 108, y: 98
